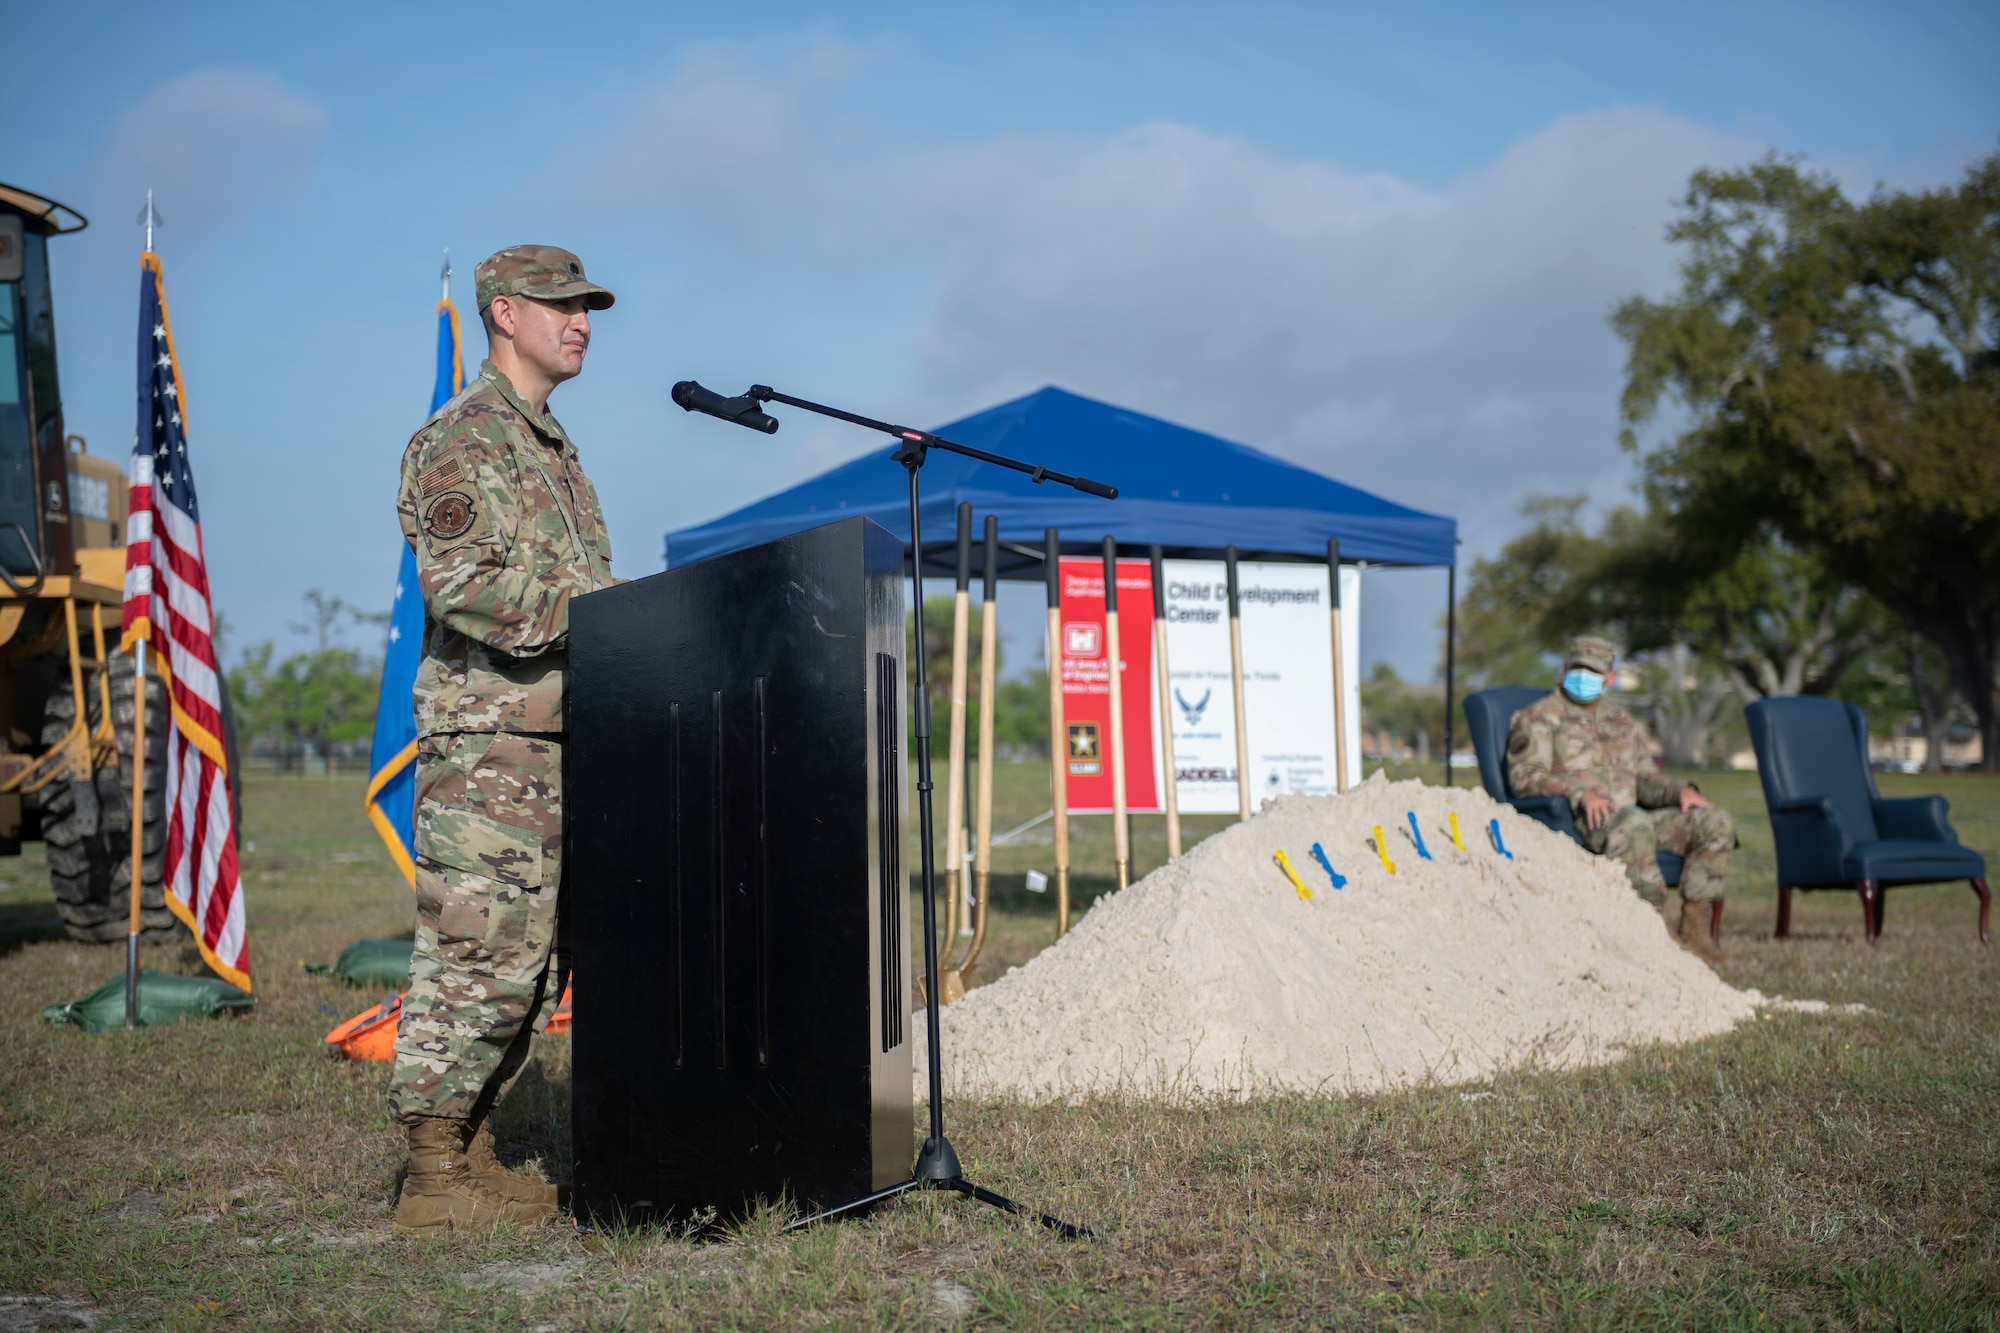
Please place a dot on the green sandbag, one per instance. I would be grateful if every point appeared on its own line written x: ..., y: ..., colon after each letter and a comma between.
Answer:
x: 370, y: 963
x: 162, y: 999
x: 376, y: 963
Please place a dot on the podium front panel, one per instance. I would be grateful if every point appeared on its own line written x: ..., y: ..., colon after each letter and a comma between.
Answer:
x: 735, y: 893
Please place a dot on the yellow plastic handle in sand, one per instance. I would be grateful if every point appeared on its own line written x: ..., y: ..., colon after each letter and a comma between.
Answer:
x: 1285, y: 864
x: 1382, y: 850
x: 1457, y: 841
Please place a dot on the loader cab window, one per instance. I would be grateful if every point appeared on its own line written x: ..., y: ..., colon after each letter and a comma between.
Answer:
x: 17, y: 437
x: 23, y: 290
x: 13, y: 395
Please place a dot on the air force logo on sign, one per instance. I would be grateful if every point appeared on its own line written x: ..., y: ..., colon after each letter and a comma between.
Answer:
x: 1083, y: 639
x: 1193, y: 711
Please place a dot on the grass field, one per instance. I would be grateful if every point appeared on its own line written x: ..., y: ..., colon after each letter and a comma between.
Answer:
x: 1808, y: 1171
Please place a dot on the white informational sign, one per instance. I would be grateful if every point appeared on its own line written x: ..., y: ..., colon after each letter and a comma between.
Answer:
x: 1287, y: 680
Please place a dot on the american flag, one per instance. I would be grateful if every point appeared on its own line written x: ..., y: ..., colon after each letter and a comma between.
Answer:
x: 167, y: 608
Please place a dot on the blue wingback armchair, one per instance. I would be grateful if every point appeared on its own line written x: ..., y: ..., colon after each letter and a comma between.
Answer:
x: 1833, y: 829
x: 1489, y: 713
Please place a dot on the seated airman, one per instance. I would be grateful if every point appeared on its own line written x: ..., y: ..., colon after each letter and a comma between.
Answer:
x: 1578, y: 744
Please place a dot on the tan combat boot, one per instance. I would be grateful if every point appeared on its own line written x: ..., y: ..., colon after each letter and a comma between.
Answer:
x: 486, y: 1169
x: 441, y: 1192
x: 1696, y: 921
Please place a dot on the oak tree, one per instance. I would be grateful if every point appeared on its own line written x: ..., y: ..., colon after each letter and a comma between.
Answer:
x: 1836, y: 367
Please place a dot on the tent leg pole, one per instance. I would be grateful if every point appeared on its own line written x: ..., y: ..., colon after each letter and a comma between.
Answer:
x: 1236, y: 691
x: 1058, y: 735
x: 1339, y: 682
x: 1169, y: 767
x: 1450, y: 657
x: 1121, y: 833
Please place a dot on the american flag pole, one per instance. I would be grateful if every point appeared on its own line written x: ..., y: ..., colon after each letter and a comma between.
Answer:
x: 168, y: 611
x: 136, y: 881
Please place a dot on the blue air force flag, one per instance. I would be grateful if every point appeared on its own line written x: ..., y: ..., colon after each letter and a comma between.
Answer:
x: 391, y: 799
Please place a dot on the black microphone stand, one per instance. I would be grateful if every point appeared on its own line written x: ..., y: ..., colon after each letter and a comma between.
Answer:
x: 937, y: 1165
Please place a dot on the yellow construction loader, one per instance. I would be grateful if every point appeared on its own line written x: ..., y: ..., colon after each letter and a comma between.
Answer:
x: 65, y: 689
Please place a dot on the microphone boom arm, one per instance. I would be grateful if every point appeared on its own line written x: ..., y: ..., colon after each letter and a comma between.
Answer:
x: 923, y: 439
x: 694, y: 398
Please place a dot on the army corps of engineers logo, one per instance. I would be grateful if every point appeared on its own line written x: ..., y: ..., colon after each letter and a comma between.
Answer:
x: 1083, y: 751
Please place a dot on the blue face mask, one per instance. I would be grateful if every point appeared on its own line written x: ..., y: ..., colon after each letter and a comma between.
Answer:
x: 1583, y: 686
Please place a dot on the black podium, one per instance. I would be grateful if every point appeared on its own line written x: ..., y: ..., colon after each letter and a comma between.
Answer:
x: 737, y: 908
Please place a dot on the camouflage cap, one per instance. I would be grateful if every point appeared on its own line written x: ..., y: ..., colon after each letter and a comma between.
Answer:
x: 542, y: 271
x: 1592, y: 654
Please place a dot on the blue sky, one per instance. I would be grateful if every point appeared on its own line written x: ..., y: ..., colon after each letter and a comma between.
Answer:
x: 1380, y: 241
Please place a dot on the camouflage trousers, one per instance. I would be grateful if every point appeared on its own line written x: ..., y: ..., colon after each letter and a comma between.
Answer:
x: 491, y: 956
x: 1703, y: 836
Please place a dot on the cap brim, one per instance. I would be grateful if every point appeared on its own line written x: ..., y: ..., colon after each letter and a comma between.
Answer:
x: 595, y: 297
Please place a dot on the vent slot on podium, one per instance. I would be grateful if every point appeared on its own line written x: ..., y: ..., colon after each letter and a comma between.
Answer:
x: 889, y: 848
x: 718, y: 890
x: 676, y: 919
x: 760, y: 888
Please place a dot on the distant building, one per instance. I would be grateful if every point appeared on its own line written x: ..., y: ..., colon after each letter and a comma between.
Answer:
x: 1906, y: 750
x: 1909, y: 749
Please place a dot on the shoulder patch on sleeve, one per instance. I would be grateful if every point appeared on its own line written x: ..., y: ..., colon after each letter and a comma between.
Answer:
x: 449, y: 516
x: 439, y: 477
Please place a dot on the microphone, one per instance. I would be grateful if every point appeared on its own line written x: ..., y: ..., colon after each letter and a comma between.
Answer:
x: 744, y: 411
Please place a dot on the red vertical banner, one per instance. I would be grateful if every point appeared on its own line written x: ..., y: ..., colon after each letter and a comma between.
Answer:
x: 1086, y: 683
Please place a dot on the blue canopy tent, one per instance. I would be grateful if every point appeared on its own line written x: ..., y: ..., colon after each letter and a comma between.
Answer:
x: 1190, y: 493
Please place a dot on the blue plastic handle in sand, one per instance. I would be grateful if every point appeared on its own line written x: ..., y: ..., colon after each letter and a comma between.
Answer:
x: 1418, y: 834
x: 1493, y: 827
x: 1339, y: 880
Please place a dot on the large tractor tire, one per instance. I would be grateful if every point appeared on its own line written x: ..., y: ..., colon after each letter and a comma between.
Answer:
x: 87, y: 826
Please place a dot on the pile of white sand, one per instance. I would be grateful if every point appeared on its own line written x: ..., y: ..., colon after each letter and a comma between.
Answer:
x: 1211, y: 977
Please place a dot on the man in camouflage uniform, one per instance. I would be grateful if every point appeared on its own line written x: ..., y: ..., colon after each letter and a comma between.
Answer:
x: 506, y: 529
x: 1579, y: 745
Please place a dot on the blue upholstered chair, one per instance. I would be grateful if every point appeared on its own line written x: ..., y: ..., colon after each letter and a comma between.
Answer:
x: 1833, y: 829
x: 1489, y: 713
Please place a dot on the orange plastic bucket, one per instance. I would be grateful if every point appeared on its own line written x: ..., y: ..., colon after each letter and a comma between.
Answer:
x: 370, y: 1034
x: 559, y: 1020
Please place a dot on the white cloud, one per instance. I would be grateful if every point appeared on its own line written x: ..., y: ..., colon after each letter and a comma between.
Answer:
x: 1445, y: 347
x: 750, y: 141
x: 209, y: 143
x: 1448, y: 348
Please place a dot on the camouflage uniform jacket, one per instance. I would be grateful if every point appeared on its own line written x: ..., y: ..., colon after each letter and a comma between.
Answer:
x: 506, y: 529
x: 1557, y: 747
